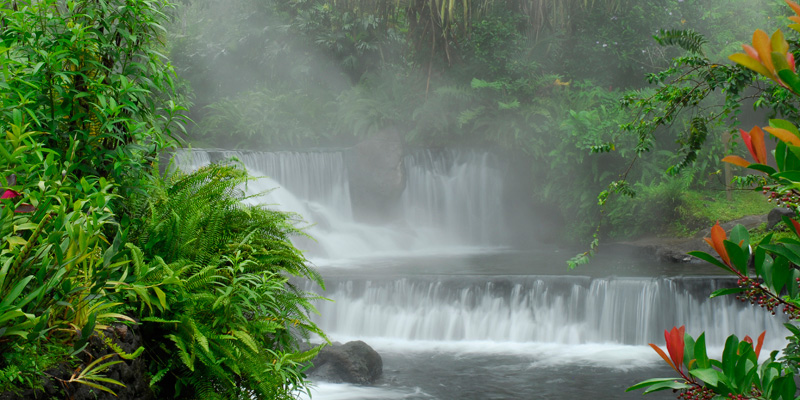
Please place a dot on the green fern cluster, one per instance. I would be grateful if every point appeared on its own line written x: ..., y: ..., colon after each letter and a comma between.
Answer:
x: 229, y: 320
x: 686, y: 39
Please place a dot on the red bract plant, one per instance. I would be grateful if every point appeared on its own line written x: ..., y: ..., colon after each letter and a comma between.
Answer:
x: 675, y: 346
x: 12, y: 194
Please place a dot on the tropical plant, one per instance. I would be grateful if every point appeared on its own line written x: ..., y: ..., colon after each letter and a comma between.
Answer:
x: 767, y: 271
x: 220, y: 271
x: 85, y: 103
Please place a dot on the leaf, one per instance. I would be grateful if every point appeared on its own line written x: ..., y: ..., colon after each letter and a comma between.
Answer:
x: 737, y: 256
x: 700, y: 354
x: 762, y: 168
x: 710, y: 376
x: 710, y: 259
x: 729, y: 357
x: 162, y: 297
x: 650, y: 382
x: 725, y: 292
x: 784, y: 135
x: 674, y: 385
x: 746, y: 61
x: 664, y: 356
x: 736, y: 160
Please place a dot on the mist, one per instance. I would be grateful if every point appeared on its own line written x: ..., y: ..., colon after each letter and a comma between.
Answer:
x: 446, y: 163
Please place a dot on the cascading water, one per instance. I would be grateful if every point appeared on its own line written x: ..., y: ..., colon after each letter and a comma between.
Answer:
x: 455, y: 318
x: 451, y: 202
x: 547, y: 309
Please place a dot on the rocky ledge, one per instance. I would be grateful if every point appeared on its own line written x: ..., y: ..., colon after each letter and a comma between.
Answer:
x: 675, y: 250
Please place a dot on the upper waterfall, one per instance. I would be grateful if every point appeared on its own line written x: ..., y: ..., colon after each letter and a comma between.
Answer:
x: 452, y: 201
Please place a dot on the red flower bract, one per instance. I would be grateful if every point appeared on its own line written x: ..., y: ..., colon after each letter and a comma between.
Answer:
x: 675, y: 347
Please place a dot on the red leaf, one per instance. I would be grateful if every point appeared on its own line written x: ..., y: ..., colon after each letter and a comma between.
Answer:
x: 9, y: 194
x: 664, y: 356
x: 675, y: 344
x: 760, y: 343
x: 796, y: 226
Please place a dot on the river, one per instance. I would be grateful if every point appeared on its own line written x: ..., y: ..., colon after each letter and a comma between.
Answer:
x: 456, y: 313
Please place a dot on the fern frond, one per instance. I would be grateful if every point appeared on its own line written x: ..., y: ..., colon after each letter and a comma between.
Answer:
x: 686, y: 39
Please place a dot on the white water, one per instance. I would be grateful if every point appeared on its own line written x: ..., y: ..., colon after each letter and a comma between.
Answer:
x: 556, y: 310
x: 448, y: 313
x: 451, y: 204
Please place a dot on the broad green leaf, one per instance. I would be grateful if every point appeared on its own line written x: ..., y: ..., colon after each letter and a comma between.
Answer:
x: 739, y: 234
x: 729, y: 357
x: 650, y: 382
x: 700, y: 355
x: 710, y: 259
x: 727, y: 291
x: 710, y: 376
x: 762, y: 168
x: 737, y: 255
x: 674, y: 385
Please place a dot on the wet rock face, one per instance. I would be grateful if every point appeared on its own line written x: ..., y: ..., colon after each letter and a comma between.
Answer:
x: 131, y: 373
x: 352, y: 362
x: 377, y: 176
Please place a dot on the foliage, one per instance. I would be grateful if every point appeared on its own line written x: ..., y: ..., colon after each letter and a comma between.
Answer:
x: 88, y: 74
x: 219, y: 270
x: 767, y: 271
x: 87, y: 105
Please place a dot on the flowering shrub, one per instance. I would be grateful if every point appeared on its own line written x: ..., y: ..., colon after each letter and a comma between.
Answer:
x: 768, y: 270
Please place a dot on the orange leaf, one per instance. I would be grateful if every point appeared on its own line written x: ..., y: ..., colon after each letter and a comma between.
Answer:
x: 784, y: 135
x: 750, y: 51
x: 763, y: 46
x: 760, y: 343
x: 664, y: 356
x: 794, y: 6
x: 736, y: 160
x: 718, y: 236
x: 757, y: 144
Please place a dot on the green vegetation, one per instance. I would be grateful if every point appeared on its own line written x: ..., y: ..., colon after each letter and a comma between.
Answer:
x: 507, y: 76
x: 767, y: 269
x: 94, y: 237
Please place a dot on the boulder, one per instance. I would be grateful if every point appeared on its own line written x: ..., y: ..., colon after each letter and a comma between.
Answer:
x: 352, y: 362
x: 377, y: 176
x: 776, y: 214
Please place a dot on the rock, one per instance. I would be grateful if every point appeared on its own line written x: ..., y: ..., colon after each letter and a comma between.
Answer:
x: 776, y: 214
x: 377, y: 176
x: 132, y: 373
x: 352, y: 362
x: 674, y: 250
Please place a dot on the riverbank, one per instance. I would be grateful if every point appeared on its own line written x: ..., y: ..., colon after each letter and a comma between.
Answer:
x: 675, y: 250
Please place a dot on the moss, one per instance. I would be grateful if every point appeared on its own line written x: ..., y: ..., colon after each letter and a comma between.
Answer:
x: 700, y: 209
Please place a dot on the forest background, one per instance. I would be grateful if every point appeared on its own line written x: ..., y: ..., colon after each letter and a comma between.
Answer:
x: 542, y: 81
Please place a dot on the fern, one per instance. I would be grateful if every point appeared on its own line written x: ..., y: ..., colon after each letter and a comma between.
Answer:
x: 686, y: 39
x: 224, y: 267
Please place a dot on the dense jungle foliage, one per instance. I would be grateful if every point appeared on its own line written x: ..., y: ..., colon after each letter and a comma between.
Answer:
x: 95, y: 237
x: 542, y: 80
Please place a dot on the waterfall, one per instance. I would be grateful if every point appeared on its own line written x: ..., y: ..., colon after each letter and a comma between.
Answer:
x: 452, y: 201
x: 546, y: 309
x: 456, y: 191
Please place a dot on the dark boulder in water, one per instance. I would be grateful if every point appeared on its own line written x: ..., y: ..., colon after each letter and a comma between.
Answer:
x: 352, y: 362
